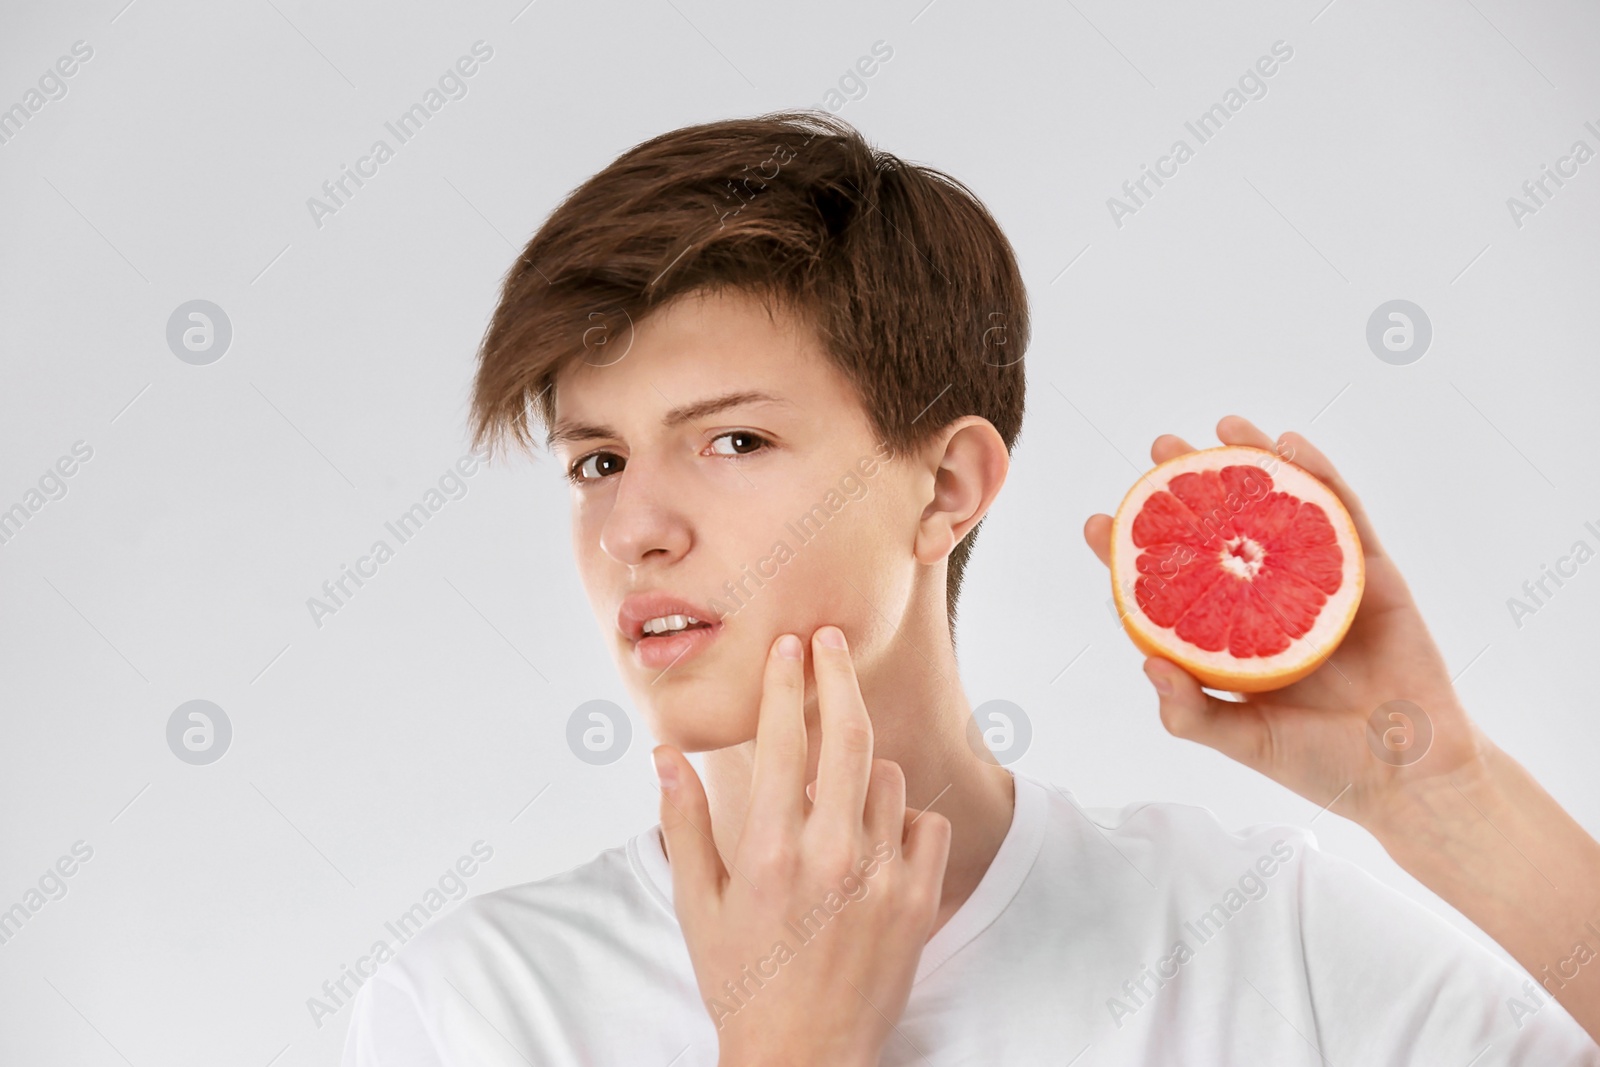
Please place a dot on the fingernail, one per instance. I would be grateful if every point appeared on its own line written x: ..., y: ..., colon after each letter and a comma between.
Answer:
x: 1163, y: 686
x: 831, y: 637
x: 666, y: 771
x: 811, y: 792
x: 789, y: 646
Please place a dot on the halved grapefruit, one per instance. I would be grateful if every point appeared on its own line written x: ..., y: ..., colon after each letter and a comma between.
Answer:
x: 1238, y: 566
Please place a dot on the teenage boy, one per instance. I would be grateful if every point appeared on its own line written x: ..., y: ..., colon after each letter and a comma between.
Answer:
x: 783, y: 373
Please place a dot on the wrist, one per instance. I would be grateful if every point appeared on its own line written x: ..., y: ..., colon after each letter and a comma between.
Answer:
x: 1424, y: 810
x: 1492, y: 843
x: 1431, y: 817
x: 1487, y: 833
x: 740, y: 1051
x: 735, y: 1058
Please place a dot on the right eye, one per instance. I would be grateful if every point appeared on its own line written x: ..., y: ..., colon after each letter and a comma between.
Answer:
x: 594, y: 466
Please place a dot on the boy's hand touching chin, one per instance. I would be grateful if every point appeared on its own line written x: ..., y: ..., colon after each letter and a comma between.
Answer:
x: 1325, y: 736
x: 805, y: 943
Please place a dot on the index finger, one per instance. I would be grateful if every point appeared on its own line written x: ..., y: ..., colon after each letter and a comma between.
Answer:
x: 1307, y: 455
x: 844, y: 767
x: 778, y: 777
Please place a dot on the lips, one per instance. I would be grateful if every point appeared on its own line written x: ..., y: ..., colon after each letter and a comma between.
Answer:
x: 659, y: 652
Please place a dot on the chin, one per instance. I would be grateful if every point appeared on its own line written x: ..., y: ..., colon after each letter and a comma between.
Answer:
x: 696, y: 716
x: 688, y: 735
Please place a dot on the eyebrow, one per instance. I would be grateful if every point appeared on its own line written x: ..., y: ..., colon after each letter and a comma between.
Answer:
x: 579, y: 431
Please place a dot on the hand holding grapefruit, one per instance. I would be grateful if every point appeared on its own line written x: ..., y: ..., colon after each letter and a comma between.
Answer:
x: 1380, y: 736
x: 1329, y: 736
x: 1240, y: 567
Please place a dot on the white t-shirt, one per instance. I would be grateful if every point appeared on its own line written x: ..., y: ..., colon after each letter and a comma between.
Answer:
x: 1149, y: 935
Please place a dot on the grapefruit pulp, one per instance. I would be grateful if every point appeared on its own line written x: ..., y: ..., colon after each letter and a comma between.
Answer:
x: 1240, y: 567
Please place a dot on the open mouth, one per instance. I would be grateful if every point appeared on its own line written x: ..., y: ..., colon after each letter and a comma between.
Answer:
x: 671, y: 647
x: 672, y: 624
x: 664, y: 629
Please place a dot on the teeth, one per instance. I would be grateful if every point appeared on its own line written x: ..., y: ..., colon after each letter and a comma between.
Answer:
x: 668, y: 624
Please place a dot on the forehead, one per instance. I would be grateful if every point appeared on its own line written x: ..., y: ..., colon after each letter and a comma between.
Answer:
x: 696, y: 346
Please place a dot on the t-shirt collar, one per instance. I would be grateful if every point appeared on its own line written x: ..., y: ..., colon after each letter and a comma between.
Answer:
x: 995, y: 890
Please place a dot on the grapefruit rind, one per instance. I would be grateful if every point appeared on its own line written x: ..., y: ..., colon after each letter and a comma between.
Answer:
x: 1222, y: 670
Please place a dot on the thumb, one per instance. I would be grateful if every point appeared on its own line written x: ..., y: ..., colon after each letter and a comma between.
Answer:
x: 697, y: 871
x: 927, y: 852
x: 1234, y: 728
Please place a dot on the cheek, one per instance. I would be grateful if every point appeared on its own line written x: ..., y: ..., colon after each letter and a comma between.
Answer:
x: 853, y: 573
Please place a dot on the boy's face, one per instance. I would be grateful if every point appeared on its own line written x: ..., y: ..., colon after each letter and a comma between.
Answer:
x: 763, y: 517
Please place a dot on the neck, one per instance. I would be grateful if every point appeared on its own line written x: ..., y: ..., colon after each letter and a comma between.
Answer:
x: 920, y: 720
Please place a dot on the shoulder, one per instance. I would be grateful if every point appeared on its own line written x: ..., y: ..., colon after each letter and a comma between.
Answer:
x: 1373, y: 970
x: 525, y: 952
x: 1170, y: 838
x: 593, y: 900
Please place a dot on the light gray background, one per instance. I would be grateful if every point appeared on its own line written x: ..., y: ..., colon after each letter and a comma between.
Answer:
x: 369, y: 753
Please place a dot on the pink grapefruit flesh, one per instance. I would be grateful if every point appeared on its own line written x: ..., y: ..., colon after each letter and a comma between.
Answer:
x: 1240, y: 567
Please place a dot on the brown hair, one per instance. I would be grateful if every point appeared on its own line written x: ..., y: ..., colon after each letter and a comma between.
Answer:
x: 912, y: 288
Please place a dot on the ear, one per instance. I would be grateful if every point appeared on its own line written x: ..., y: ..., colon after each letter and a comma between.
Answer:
x: 968, y: 462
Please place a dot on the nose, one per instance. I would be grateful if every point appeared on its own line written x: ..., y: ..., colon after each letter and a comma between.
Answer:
x: 644, y: 522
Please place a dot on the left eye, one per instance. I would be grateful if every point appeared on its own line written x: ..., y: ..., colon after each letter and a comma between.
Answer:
x: 749, y: 442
